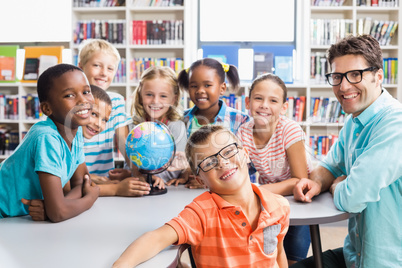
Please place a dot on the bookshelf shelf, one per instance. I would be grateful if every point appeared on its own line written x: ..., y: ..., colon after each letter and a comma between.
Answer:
x: 353, y: 14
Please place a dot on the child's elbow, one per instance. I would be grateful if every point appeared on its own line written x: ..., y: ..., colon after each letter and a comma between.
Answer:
x: 57, y: 216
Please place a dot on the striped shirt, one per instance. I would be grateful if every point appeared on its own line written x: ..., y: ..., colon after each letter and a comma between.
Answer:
x: 227, y: 116
x: 99, y: 149
x: 221, y: 236
x: 271, y: 161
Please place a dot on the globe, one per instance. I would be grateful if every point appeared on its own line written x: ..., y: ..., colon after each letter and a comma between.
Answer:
x: 151, y: 147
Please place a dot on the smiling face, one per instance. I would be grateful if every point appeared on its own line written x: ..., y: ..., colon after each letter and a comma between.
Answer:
x: 230, y: 175
x: 355, y: 98
x: 100, y: 69
x: 98, y: 119
x: 205, y: 88
x: 70, y: 101
x: 157, y: 97
x: 266, y: 103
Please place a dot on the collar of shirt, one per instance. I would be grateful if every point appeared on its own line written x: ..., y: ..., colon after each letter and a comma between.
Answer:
x: 370, y: 112
x: 189, y: 114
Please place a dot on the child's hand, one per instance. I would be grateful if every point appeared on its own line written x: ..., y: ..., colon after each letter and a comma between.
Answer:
x: 132, y: 187
x: 193, y: 183
x: 36, y: 209
x: 158, y: 182
x: 99, y: 179
x: 119, y: 174
x: 89, y: 188
x: 183, y: 179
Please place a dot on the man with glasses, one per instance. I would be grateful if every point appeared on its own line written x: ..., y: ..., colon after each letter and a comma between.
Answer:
x: 363, y: 168
x: 234, y: 224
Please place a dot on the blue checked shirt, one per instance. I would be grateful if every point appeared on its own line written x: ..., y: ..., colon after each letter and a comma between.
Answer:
x: 227, y: 116
x: 369, y: 151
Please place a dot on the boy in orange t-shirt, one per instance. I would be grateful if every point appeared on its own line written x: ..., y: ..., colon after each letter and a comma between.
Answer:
x: 235, y: 224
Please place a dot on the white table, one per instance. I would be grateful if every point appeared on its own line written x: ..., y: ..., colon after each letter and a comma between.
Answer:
x: 97, y: 237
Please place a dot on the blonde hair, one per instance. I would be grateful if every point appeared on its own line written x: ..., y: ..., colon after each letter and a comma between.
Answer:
x: 137, y: 110
x: 91, y: 46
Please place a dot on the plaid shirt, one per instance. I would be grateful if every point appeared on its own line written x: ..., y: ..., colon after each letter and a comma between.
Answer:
x: 227, y: 116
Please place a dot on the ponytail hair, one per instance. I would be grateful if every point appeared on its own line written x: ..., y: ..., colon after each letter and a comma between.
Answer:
x: 223, y: 70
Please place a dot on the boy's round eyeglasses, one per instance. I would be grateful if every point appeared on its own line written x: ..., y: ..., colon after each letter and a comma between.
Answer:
x: 212, y: 161
x: 353, y: 77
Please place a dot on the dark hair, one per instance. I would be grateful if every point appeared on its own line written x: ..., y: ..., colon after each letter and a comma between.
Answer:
x: 364, y: 45
x: 45, y: 81
x: 272, y: 77
x: 231, y: 74
x: 100, y: 94
x: 201, y: 136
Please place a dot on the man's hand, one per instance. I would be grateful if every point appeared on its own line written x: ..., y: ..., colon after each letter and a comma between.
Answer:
x: 36, y: 209
x: 183, y: 179
x: 305, y: 190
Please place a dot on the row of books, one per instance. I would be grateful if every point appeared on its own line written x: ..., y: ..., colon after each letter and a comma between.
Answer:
x: 158, y: 32
x: 378, y: 3
x: 329, y: 31
x: 327, y: 2
x: 390, y: 67
x: 111, y: 30
x: 8, y: 140
x: 326, y: 110
x: 236, y: 102
x: 32, y: 107
x: 320, y: 145
x: 139, y: 65
x: 318, y: 67
x: 157, y: 3
x: 8, y: 107
x: 382, y: 30
x: 296, y: 107
x: 98, y: 3
x: 121, y: 73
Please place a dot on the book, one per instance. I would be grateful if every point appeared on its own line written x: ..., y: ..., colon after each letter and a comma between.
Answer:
x: 284, y: 68
x: 263, y: 63
x: 33, y: 54
x: 8, y: 55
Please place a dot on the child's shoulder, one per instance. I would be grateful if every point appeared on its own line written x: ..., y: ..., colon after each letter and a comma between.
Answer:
x: 273, y: 201
x: 114, y: 96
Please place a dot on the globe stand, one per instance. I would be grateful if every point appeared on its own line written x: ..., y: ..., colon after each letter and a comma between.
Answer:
x: 154, y: 190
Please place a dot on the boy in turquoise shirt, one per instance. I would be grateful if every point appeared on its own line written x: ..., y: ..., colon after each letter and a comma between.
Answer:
x: 51, y: 153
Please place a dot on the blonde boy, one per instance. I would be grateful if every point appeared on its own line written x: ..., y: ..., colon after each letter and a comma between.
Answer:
x: 235, y: 224
x: 99, y: 60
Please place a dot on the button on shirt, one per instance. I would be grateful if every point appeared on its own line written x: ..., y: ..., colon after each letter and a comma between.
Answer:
x: 368, y: 151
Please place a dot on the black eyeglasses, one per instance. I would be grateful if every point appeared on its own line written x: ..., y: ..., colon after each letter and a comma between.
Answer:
x: 353, y: 77
x: 212, y: 161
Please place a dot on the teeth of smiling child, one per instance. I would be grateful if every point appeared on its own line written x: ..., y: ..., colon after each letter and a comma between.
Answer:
x: 350, y: 96
x: 263, y: 114
x: 201, y: 99
x: 82, y: 112
x: 228, y: 175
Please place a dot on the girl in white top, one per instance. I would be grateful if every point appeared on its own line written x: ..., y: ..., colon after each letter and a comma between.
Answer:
x: 276, y: 147
x: 157, y: 98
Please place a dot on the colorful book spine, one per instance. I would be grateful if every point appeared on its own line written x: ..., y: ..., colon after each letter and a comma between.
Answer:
x: 157, y: 32
x: 139, y: 65
x: 111, y: 30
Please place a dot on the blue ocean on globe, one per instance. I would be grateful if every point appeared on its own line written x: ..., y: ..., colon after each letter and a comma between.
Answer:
x: 150, y: 146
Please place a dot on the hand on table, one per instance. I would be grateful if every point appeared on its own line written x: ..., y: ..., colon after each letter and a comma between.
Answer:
x: 305, y: 190
x: 119, y: 174
x: 36, y: 209
x: 132, y: 187
x: 182, y: 179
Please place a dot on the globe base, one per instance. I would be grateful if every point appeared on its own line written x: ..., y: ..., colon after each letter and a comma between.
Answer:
x: 154, y: 190
x: 157, y: 191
